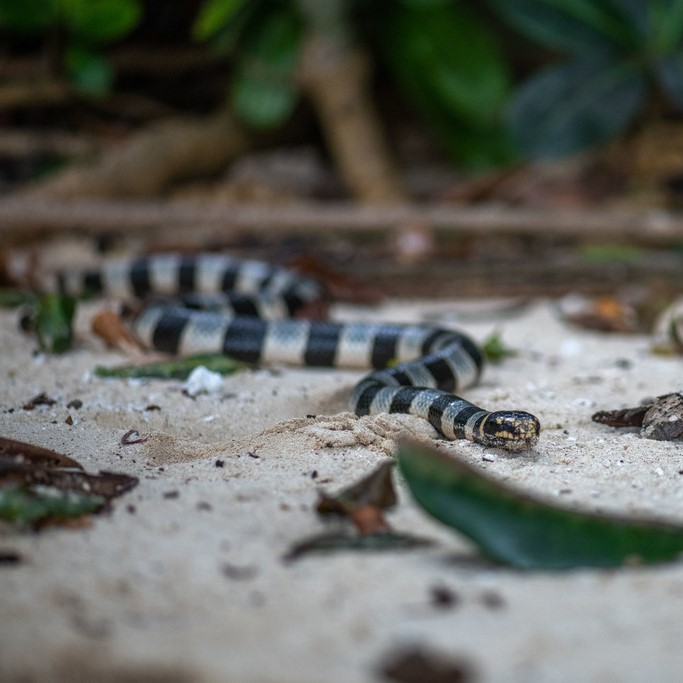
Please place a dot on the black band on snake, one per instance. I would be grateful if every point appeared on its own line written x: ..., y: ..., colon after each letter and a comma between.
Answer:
x: 215, y: 303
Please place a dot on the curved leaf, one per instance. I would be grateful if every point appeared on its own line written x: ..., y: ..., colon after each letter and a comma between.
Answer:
x: 572, y: 25
x: 263, y: 90
x: 521, y: 531
x: 450, y: 56
x: 101, y: 21
x: 449, y: 66
x: 575, y: 105
x: 213, y: 17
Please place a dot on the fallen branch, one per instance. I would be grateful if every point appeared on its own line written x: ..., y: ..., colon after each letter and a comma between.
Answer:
x: 34, y: 94
x: 144, y: 165
x: 28, y: 142
x: 22, y: 218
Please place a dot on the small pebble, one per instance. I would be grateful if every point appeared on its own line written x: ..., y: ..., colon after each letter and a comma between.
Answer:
x: 489, y: 457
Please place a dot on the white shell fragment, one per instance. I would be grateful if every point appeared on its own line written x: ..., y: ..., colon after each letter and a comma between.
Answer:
x: 203, y: 381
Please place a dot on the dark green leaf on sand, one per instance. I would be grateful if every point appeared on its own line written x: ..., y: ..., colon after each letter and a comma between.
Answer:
x: 177, y: 368
x: 518, y: 530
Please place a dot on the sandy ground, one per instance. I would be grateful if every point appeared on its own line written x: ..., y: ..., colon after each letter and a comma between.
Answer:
x: 184, y: 580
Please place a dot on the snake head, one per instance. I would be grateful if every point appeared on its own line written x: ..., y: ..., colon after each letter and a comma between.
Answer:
x: 512, y: 430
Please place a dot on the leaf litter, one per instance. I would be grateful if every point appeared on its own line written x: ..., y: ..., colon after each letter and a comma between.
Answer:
x: 363, y: 504
x: 40, y: 487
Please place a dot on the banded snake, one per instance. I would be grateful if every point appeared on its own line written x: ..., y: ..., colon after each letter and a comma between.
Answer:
x: 215, y: 303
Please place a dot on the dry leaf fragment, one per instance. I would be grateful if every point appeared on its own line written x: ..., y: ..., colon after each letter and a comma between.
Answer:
x: 660, y: 419
x: 364, y: 501
x: 12, y: 451
x: 109, y: 327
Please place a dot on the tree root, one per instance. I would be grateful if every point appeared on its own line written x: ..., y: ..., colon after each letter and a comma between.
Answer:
x: 148, y: 162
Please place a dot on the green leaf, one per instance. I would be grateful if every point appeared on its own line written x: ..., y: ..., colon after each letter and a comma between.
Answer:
x: 28, y: 15
x: 571, y: 25
x: 495, y: 350
x: 448, y: 64
x: 518, y: 530
x: 572, y: 106
x: 89, y: 72
x: 447, y: 54
x: 179, y: 368
x: 25, y: 507
x: 664, y: 25
x: 263, y: 91
x: 101, y: 21
x: 214, y: 16
x: 52, y: 321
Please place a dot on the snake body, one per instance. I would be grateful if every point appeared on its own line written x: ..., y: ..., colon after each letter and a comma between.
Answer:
x: 214, y: 303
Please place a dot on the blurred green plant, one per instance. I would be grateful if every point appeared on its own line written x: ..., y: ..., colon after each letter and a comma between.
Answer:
x: 86, y: 25
x: 440, y: 54
x: 616, y: 50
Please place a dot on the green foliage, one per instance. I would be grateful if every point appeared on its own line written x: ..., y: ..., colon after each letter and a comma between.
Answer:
x: 100, y: 21
x: 615, y: 48
x: 30, y: 506
x: 88, y: 70
x: 177, y: 368
x: 265, y: 37
x: 449, y: 65
x: 263, y: 90
x: 214, y: 16
x: 88, y: 24
x: 52, y: 321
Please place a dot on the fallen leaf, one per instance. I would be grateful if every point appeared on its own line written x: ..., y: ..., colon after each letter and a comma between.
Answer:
x: 334, y: 542
x: 51, y: 318
x: 179, y: 368
x: 26, y: 507
x: 513, y: 528
x: 12, y: 451
x: 111, y: 329
x: 105, y: 484
x: 40, y: 487
x: 376, y: 489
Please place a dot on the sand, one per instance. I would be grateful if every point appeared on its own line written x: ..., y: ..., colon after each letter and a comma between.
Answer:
x: 185, y: 581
